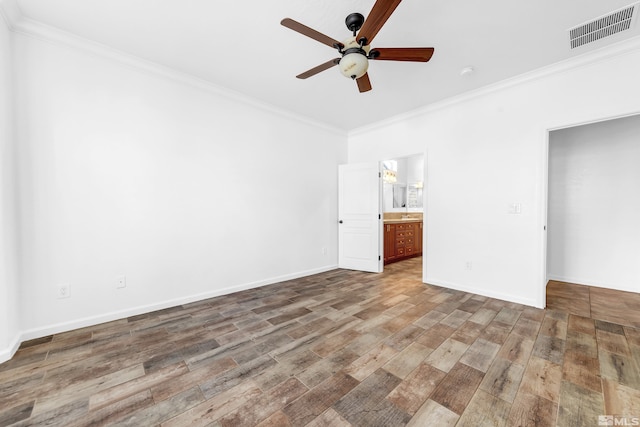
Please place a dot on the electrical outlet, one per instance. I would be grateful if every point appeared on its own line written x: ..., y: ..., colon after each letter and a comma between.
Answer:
x: 469, y: 265
x: 324, y: 251
x: 121, y: 282
x: 63, y: 291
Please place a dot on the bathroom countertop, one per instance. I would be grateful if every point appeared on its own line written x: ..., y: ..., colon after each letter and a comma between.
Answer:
x: 401, y: 221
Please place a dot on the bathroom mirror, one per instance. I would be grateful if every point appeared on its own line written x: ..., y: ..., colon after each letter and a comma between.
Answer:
x: 403, y: 184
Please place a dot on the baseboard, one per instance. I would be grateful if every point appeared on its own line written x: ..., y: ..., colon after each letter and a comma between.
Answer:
x: 486, y: 293
x: 585, y: 282
x: 8, y: 353
x: 134, y: 311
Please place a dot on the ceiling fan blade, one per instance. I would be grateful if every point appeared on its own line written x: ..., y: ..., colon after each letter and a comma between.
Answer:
x: 379, y: 14
x: 319, y: 68
x: 364, y: 84
x: 415, y: 54
x: 309, y: 32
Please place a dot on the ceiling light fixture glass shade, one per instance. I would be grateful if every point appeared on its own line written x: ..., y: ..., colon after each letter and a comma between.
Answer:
x: 354, y: 64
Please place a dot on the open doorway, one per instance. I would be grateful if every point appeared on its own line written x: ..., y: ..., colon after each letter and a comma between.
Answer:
x: 403, y: 213
x: 593, y: 236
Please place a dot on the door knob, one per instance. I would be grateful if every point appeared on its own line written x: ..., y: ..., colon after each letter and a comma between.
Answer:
x: 340, y: 222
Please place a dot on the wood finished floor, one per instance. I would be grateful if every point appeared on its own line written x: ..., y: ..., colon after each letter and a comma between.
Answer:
x: 336, y: 349
x: 599, y: 303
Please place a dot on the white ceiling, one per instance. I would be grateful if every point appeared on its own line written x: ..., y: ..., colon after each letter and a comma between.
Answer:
x: 241, y: 46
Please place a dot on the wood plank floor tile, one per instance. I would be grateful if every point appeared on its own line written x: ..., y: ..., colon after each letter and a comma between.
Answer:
x: 619, y: 368
x: 526, y: 327
x: 620, y: 399
x: 516, y: 348
x: 118, y: 411
x: 542, y: 378
x: 483, y: 316
x: 614, y: 343
x: 80, y: 390
x: 326, y: 368
x: 614, y: 328
x: 570, y: 298
x: 337, y: 342
x: 404, y: 337
x: 554, y: 328
x: 63, y: 415
x: 447, y: 355
x: 212, y: 409
x: 468, y: 332
x: 617, y: 307
x: 549, y: 348
x: 434, y: 414
x: 507, y: 316
x: 319, y: 399
x: 136, y: 385
x: 633, y: 335
x: 581, y: 324
x: 9, y: 416
x: 503, y: 379
x: 578, y: 407
x: 261, y: 407
x: 495, y: 332
x: 235, y: 376
x: 173, y: 386
x: 532, y: 411
x: 430, y: 319
x: 485, y: 410
x: 407, y: 360
x: 456, y: 390
x: 480, y: 355
x: 366, y: 403
x: 414, y: 390
x: 278, y: 419
x: 579, y: 342
x: 456, y: 318
x: 435, y: 336
x: 329, y: 418
x: 532, y: 313
x: 370, y: 362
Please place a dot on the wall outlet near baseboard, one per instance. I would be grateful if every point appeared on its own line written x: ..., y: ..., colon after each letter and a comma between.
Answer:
x: 121, y: 282
x: 63, y: 291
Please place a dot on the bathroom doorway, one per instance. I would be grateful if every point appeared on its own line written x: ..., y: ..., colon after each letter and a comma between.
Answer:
x: 403, y: 184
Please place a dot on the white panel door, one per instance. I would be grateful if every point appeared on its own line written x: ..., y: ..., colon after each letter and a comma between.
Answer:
x: 359, y: 217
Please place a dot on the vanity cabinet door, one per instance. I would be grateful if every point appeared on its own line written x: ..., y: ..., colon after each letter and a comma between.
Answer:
x: 389, y: 243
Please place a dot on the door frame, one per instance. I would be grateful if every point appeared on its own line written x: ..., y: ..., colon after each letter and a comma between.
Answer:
x: 544, y: 196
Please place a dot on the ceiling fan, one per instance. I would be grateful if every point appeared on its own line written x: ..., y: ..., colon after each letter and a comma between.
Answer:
x: 356, y: 51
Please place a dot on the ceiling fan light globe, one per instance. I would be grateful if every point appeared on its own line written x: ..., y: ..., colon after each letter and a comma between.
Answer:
x: 354, y: 65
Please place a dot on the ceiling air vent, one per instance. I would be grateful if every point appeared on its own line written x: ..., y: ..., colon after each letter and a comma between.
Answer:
x: 604, y: 26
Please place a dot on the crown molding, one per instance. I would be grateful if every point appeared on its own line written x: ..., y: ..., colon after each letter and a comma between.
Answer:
x: 10, y: 12
x: 28, y: 27
x: 625, y: 47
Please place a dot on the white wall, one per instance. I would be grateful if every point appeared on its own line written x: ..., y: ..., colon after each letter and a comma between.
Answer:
x: 188, y: 193
x: 594, y: 204
x: 9, y: 286
x: 488, y: 150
